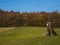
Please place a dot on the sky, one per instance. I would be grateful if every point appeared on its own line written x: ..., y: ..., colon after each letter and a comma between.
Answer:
x: 30, y: 5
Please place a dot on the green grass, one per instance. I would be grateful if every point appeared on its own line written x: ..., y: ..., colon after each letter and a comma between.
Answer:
x: 28, y: 36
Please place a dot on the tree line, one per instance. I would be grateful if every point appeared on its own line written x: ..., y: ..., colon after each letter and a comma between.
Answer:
x: 15, y: 19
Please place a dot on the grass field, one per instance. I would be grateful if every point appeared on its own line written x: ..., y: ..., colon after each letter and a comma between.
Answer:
x: 28, y: 36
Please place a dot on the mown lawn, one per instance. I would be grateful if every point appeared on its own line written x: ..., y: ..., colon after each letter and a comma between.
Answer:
x: 28, y: 36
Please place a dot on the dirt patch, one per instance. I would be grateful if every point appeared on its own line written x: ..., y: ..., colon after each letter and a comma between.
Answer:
x: 3, y: 29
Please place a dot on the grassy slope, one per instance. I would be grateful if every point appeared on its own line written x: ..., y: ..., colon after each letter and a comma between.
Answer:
x: 28, y: 36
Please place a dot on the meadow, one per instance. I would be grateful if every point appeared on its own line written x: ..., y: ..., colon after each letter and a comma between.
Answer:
x: 28, y: 36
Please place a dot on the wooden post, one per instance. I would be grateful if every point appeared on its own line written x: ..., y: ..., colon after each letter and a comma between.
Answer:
x: 50, y: 29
